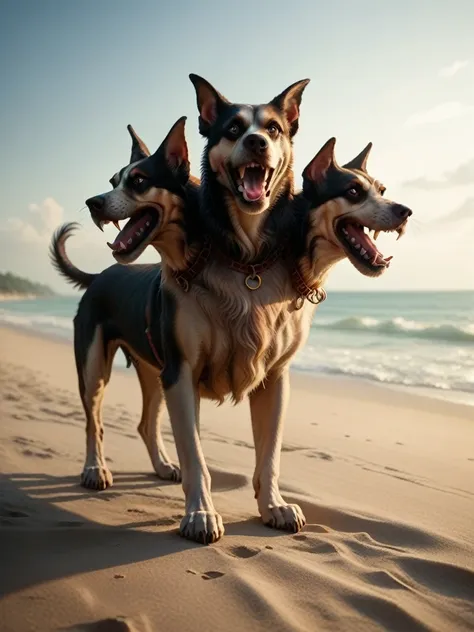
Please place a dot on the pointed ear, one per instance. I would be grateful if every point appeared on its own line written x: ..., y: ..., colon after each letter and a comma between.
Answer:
x: 360, y: 161
x: 175, y: 148
x: 317, y: 169
x: 139, y: 149
x: 209, y: 103
x: 289, y: 102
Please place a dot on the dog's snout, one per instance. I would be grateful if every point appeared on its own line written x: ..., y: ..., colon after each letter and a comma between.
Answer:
x: 401, y: 212
x: 95, y: 204
x: 256, y: 143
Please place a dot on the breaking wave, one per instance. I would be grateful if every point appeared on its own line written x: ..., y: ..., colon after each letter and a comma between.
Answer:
x: 401, y: 327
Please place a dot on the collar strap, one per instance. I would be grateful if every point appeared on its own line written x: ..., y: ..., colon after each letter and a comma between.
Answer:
x: 256, y: 269
x: 313, y: 294
x: 184, y: 277
x: 148, y: 332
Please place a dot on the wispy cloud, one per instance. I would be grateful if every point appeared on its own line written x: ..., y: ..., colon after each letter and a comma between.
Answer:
x: 439, y: 113
x: 449, y: 71
x: 39, y: 226
x: 463, y: 212
x: 461, y: 176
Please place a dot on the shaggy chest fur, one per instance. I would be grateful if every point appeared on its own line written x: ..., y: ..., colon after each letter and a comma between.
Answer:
x: 234, y: 337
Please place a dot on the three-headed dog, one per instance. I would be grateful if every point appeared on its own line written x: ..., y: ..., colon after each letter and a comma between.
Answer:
x: 232, y: 324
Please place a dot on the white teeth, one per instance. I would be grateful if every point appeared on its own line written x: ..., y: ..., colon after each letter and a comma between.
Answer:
x: 241, y: 188
x: 122, y: 245
x: 241, y: 172
x: 363, y: 251
x: 353, y: 240
x: 148, y: 223
x: 345, y: 231
x: 142, y: 229
x: 376, y: 234
x: 101, y: 225
x: 129, y: 241
x: 365, y: 256
x: 357, y: 246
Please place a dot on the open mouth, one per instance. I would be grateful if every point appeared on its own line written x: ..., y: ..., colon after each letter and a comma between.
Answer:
x: 357, y: 242
x: 136, y: 234
x: 251, y: 181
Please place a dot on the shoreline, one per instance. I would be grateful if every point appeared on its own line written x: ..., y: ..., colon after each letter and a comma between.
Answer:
x: 416, y: 397
x: 19, y: 296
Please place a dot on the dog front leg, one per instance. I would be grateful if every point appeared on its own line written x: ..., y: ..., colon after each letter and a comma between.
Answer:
x: 201, y: 523
x: 268, y: 405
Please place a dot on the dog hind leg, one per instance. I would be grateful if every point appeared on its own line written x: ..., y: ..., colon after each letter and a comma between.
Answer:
x: 150, y: 424
x: 94, y: 373
x: 201, y: 523
x: 268, y: 405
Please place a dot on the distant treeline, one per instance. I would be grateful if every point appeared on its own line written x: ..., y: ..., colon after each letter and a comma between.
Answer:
x: 12, y: 284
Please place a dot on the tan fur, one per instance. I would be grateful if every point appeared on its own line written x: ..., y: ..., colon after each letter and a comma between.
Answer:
x: 150, y: 424
x: 238, y: 334
x: 96, y: 474
x: 168, y: 238
x: 97, y: 370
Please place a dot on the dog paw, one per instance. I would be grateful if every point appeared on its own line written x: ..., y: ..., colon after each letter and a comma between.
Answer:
x: 97, y: 477
x: 285, y: 517
x: 204, y: 527
x: 168, y: 471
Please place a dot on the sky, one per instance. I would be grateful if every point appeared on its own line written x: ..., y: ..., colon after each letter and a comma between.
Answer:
x: 399, y: 74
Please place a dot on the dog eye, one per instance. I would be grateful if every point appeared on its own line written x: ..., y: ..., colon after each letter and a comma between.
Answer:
x: 137, y: 181
x: 234, y: 129
x: 273, y: 129
x: 353, y: 192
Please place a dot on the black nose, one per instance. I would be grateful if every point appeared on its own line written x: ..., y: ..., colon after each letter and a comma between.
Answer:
x: 95, y: 204
x: 256, y: 143
x: 401, y: 212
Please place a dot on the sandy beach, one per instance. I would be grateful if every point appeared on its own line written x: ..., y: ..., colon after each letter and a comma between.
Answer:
x: 386, y: 481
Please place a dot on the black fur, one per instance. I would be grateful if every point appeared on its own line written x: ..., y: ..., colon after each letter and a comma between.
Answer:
x: 62, y: 263
x: 117, y: 301
x: 337, y: 182
x: 160, y: 174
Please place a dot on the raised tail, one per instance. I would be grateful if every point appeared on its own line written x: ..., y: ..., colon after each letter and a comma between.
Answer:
x: 62, y: 263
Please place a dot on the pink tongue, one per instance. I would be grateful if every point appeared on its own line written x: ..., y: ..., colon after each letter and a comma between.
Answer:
x: 130, y: 235
x: 254, y: 180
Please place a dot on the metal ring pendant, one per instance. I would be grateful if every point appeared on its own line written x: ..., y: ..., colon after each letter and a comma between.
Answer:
x: 253, y: 281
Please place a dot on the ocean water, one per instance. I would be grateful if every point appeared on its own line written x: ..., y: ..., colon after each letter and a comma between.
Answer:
x: 421, y: 341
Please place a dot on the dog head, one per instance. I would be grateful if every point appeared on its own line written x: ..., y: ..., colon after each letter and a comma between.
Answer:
x: 150, y: 193
x: 247, y: 162
x: 346, y: 204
